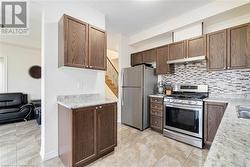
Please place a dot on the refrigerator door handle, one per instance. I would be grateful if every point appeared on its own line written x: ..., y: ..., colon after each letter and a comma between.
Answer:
x: 122, y: 74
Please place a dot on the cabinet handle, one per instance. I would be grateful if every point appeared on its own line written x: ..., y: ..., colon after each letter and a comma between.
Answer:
x: 225, y: 68
x: 96, y: 107
x: 100, y: 106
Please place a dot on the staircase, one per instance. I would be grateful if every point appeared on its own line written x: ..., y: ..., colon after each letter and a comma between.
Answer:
x: 111, y: 77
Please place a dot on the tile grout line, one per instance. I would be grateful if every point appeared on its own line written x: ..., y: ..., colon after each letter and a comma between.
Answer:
x: 188, y: 156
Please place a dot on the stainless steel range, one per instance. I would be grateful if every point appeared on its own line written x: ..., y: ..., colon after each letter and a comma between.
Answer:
x: 183, y: 114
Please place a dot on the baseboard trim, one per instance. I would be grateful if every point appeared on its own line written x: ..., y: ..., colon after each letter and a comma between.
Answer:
x: 49, y: 155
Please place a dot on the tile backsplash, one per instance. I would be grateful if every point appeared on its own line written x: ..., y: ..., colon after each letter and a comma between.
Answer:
x: 234, y: 82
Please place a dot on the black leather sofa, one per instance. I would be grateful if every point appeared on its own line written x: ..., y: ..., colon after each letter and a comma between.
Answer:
x: 14, y: 107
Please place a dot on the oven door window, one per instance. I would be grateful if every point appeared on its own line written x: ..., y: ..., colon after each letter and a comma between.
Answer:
x: 182, y: 119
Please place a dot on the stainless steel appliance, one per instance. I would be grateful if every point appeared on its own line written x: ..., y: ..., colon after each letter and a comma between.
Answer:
x: 137, y: 83
x: 183, y: 114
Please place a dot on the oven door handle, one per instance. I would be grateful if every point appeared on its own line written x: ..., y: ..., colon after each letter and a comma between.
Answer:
x: 184, y: 107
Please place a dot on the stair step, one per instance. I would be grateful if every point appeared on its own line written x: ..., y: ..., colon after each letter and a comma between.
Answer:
x: 111, y: 85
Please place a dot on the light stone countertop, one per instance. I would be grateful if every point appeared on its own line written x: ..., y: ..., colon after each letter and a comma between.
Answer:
x: 84, y: 100
x: 231, y: 145
x: 157, y: 95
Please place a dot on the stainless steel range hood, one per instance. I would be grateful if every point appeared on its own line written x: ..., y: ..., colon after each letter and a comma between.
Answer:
x: 187, y: 60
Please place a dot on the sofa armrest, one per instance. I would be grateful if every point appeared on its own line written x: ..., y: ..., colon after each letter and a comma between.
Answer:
x: 26, y: 107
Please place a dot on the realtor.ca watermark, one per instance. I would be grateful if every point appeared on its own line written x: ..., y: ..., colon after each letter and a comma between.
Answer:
x: 14, y: 17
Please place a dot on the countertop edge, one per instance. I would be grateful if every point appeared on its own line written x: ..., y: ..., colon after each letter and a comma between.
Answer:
x: 157, y: 95
x: 87, y: 105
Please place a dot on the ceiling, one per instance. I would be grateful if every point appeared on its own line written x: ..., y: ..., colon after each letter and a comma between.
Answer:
x: 131, y: 16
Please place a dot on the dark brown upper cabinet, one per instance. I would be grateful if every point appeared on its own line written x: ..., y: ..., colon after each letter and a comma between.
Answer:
x: 229, y: 48
x: 177, y: 50
x: 149, y: 56
x: 196, y: 47
x: 217, y: 50
x: 224, y: 49
x: 136, y: 58
x: 97, y: 48
x: 161, y: 60
x: 80, y: 44
x: 73, y: 42
x: 238, y: 47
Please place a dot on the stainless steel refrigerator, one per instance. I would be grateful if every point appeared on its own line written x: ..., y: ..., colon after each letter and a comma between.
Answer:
x: 137, y: 83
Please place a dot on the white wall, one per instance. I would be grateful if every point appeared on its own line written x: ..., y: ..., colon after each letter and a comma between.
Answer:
x: 154, y: 42
x: 196, y: 15
x: 19, y: 60
x: 113, y: 57
x: 63, y: 81
x: 227, y: 19
x: 188, y: 32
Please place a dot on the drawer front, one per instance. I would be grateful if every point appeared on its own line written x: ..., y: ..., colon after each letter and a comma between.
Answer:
x: 157, y: 106
x: 156, y: 112
x: 156, y: 122
x: 156, y: 100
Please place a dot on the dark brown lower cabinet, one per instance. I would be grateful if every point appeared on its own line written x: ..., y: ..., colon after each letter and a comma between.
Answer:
x: 213, y: 114
x: 156, y: 114
x: 86, y: 134
x: 106, y: 129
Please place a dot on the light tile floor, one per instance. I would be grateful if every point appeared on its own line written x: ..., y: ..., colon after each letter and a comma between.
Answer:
x: 20, y: 146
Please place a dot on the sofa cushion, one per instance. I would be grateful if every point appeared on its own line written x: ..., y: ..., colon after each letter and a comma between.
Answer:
x: 9, y: 110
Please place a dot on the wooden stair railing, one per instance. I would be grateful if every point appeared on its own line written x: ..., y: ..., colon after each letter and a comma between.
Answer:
x: 111, y: 77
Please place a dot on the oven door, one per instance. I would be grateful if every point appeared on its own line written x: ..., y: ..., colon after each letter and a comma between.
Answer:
x: 184, y: 118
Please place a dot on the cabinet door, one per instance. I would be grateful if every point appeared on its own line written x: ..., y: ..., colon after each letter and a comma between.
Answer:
x: 156, y: 123
x: 149, y: 56
x: 76, y: 42
x: 161, y: 60
x: 239, y: 47
x: 177, y: 50
x: 97, y: 49
x: 106, y: 128
x: 196, y: 47
x: 213, y: 115
x: 136, y: 59
x: 217, y: 50
x: 84, y: 135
